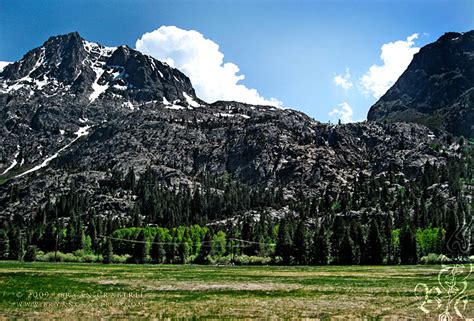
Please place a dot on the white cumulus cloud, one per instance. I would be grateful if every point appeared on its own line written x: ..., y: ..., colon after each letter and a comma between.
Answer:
x: 343, y: 112
x: 344, y: 80
x: 396, y: 57
x: 202, y: 61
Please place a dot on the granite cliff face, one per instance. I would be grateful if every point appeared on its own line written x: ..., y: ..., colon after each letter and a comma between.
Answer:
x: 72, y: 112
x: 437, y: 89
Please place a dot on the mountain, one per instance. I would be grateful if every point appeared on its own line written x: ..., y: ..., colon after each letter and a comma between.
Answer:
x: 69, y: 65
x: 69, y: 83
x: 437, y: 89
x: 77, y: 117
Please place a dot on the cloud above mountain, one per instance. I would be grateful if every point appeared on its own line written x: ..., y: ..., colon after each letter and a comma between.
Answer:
x: 203, y: 62
x: 396, y: 57
x: 343, y: 81
x: 343, y: 112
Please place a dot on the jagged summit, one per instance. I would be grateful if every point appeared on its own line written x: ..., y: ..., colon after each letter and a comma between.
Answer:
x: 437, y: 89
x: 68, y: 85
x: 70, y: 65
x: 58, y: 56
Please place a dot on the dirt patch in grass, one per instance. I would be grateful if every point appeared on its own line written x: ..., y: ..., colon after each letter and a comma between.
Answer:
x: 195, y: 286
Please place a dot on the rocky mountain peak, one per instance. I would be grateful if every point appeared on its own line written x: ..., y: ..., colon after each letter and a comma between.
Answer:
x: 69, y: 84
x: 437, y: 89
x: 87, y: 71
x: 59, y: 56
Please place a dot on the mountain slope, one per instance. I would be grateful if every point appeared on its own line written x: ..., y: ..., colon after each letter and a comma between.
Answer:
x: 437, y: 89
x: 75, y: 113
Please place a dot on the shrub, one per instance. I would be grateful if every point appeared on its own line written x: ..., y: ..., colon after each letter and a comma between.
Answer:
x: 60, y: 257
x: 252, y: 260
x: 69, y: 257
x: 224, y: 260
x: 433, y: 258
x: 91, y: 258
x: 191, y: 258
x: 79, y: 253
x: 45, y: 257
x: 120, y: 258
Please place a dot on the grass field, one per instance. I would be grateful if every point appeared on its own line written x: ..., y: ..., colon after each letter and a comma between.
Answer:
x: 67, y: 290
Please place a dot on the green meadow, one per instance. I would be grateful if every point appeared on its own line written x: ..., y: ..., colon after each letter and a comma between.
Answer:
x: 72, y: 290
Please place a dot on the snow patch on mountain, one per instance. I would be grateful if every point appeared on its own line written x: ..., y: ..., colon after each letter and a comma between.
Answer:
x: 97, y: 89
x: 175, y: 107
x: 82, y: 131
x: 129, y: 105
x: 92, y: 47
x: 231, y: 115
x: 191, y: 102
x: 98, y: 66
x: 13, y: 164
x: 41, y: 83
x: 39, y: 62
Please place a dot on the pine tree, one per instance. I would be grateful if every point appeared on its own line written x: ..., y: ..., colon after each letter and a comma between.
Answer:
x: 4, y: 245
x: 17, y: 245
x: 346, y: 254
x: 139, y: 249
x: 78, y: 237
x: 93, y: 235
x: 321, y: 247
x: 300, y: 243
x: 70, y: 238
x: 196, y: 207
x: 183, y: 251
x: 205, y: 248
x: 30, y: 255
x: 172, y: 251
x: 439, y: 241
x: 136, y: 217
x: 248, y: 235
x: 338, y: 229
x: 48, y: 239
x: 450, y: 237
x: 107, y: 251
x: 284, y: 244
x: 57, y: 239
x: 374, y: 244
x: 130, y: 179
x: 388, y: 230
x: 357, y: 236
x: 408, y: 250
x: 157, y: 252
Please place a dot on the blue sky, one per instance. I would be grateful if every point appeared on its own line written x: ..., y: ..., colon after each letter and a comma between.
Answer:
x: 289, y: 50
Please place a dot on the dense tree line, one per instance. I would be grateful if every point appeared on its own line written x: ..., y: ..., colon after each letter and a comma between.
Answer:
x: 159, y: 205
